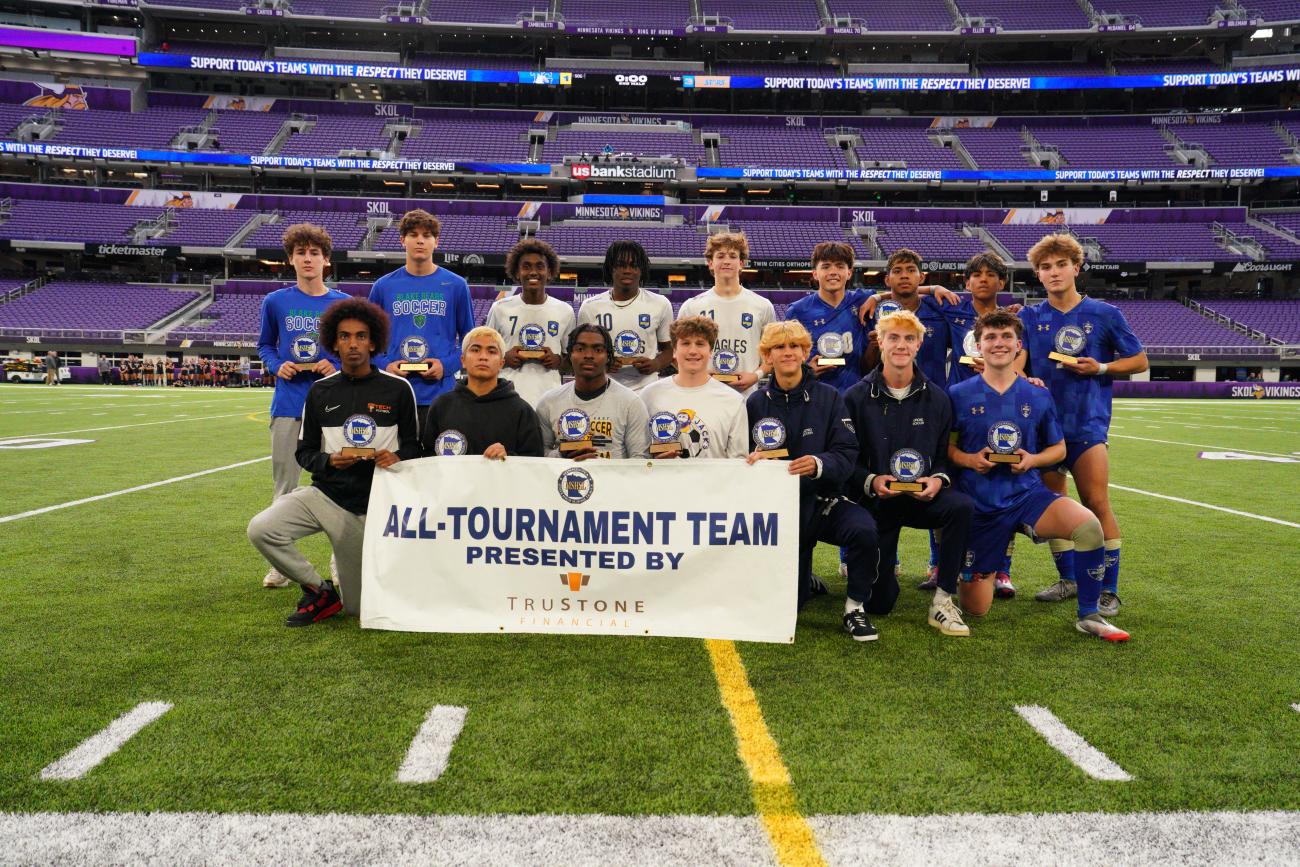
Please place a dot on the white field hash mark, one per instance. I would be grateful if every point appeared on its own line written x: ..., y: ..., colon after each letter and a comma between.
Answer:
x: 430, y: 751
x: 90, y: 752
x: 1088, y: 758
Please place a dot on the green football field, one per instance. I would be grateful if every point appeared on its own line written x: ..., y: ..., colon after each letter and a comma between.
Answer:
x: 591, y: 746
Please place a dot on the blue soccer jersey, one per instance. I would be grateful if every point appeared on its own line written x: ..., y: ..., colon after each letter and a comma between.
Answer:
x: 430, y: 317
x: 1094, y: 329
x: 835, y: 331
x: 933, y: 357
x: 961, y: 337
x: 290, y: 332
x: 1024, y: 417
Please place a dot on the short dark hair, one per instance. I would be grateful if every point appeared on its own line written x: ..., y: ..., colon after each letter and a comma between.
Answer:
x: 986, y: 260
x: 999, y: 318
x: 307, y: 235
x: 832, y: 251
x: 624, y: 253
x: 592, y: 328
x: 902, y: 254
x: 418, y: 219
x: 359, y: 309
x: 532, y: 245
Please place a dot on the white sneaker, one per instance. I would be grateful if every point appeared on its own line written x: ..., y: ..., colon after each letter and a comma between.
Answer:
x: 334, y: 570
x: 945, y: 616
x: 275, y: 580
x: 1095, y: 624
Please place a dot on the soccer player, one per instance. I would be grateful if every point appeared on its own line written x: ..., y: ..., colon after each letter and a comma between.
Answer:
x: 289, y: 344
x: 532, y: 321
x: 903, y: 422
x: 637, y: 320
x: 483, y: 414
x: 830, y: 315
x: 710, y: 416
x: 996, y: 416
x: 359, y: 407
x: 807, y: 418
x: 605, y: 415
x: 1102, y: 345
x: 740, y: 313
x: 429, y: 308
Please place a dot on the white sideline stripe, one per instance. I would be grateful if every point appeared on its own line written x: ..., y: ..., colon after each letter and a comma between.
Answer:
x: 141, y: 424
x: 185, y: 478
x: 1296, y: 707
x: 1199, y: 445
x: 1090, y: 760
x: 90, y: 752
x: 1206, y: 506
x: 429, y: 752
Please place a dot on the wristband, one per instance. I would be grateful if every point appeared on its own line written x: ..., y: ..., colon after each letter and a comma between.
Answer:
x: 1102, y: 368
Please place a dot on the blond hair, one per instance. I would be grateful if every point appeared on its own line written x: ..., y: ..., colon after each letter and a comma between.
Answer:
x: 777, y: 333
x: 727, y: 241
x: 900, y: 320
x: 481, y: 332
x: 1056, y: 245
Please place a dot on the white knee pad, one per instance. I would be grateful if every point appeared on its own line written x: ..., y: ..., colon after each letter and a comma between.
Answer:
x: 1087, y: 536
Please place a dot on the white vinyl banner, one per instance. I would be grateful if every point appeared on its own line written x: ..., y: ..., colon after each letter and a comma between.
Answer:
x: 697, y: 549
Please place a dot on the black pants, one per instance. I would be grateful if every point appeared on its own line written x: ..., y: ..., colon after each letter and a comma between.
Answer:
x: 847, y: 525
x: 950, y: 512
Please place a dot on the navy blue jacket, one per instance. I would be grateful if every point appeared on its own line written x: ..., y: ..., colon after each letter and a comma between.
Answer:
x: 816, y: 423
x: 921, y: 421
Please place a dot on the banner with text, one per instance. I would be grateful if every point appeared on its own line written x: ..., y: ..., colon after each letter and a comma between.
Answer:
x: 465, y: 544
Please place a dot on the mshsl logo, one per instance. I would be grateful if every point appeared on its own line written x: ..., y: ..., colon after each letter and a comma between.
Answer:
x: 575, y: 485
x: 359, y: 430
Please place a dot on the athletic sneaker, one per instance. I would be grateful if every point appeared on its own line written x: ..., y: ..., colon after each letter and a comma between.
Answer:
x: 945, y: 616
x: 1058, y: 592
x: 1002, y: 586
x: 334, y: 570
x: 816, y: 587
x: 931, y: 581
x: 1095, y: 624
x: 857, y: 625
x: 1108, y: 604
x: 314, y: 607
x: 275, y: 579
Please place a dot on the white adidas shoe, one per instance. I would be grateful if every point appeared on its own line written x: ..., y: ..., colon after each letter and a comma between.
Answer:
x: 945, y: 616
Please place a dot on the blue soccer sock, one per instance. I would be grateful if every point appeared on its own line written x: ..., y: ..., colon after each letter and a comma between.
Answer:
x: 1063, y: 554
x: 1111, y: 581
x: 1089, y: 567
x: 934, y: 550
x: 1006, y: 561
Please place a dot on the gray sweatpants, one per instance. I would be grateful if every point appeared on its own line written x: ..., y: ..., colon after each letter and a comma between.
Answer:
x: 302, y: 513
x: 285, y: 472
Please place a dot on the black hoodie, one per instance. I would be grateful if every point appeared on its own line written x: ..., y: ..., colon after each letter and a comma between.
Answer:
x: 461, y: 422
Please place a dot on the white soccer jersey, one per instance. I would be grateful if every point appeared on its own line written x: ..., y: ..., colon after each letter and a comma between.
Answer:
x: 740, y: 321
x: 532, y: 326
x: 712, y: 417
x: 637, y: 326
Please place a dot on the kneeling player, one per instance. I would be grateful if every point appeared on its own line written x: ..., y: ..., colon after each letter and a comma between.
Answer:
x: 1004, y: 430
x: 593, y: 416
x: 353, y: 421
x: 796, y: 417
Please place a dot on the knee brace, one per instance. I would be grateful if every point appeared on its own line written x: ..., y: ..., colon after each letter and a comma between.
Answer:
x: 1087, y: 536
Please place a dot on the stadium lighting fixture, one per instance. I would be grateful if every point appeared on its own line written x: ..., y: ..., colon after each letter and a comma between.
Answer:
x: 1262, y: 33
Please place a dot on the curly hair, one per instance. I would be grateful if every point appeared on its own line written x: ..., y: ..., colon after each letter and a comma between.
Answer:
x: 1054, y: 246
x: 418, y: 219
x: 532, y: 245
x: 694, y: 326
x: 903, y: 256
x: 727, y: 241
x: 999, y: 318
x: 593, y: 328
x: 374, y: 318
x: 307, y: 235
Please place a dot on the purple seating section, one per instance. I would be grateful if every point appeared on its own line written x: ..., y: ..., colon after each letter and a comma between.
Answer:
x: 996, y: 148
x: 154, y: 128
x: 1277, y: 319
x: 931, y: 240
x: 799, y: 15
x: 462, y: 233
x: 469, y: 138
x: 246, y: 132
x: 347, y: 230
x: 1162, y: 13
x: 98, y: 306
x: 770, y: 145
x: 564, y: 143
x: 72, y: 221
x: 199, y: 227
x: 1287, y: 220
x: 627, y: 13
x: 1252, y: 145
x: 1130, y: 242
x: 585, y: 240
x: 229, y: 314
x: 1168, y: 323
x: 336, y: 132
x: 483, y: 11
x: 913, y: 146
x: 1018, y: 15
x: 919, y: 15
x: 1139, y: 146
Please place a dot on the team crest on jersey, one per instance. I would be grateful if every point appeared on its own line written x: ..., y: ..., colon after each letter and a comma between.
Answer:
x: 532, y: 337
x: 575, y: 485
x: 553, y: 328
x: 1005, y: 437
x: 359, y: 430
x: 450, y: 442
x: 305, y: 348
x: 628, y: 344
x: 1025, y: 409
x: 769, y: 433
x: 1071, y: 340
x: 419, y: 319
x: 643, y: 320
x: 694, y: 433
x: 574, y: 424
x: 1087, y: 327
x: 907, y: 465
x: 414, y: 348
x: 746, y: 320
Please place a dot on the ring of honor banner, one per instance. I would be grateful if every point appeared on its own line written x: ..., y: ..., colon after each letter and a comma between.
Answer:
x: 696, y: 549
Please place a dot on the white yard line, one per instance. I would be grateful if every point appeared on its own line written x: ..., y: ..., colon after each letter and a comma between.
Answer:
x: 1205, y: 505
x: 90, y: 752
x: 430, y: 751
x: 1088, y: 758
x: 1162, y: 421
x: 43, y: 510
x: 132, y: 424
x: 1198, y: 445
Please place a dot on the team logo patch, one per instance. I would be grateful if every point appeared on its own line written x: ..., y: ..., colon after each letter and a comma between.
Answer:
x: 553, y: 328
x: 305, y: 348
x: 725, y: 361
x: 574, y: 424
x: 1004, y: 437
x: 1025, y: 410
x: 532, y: 337
x: 643, y: 320
x: 746, y: 320
x: 1071, y: 340
x: 575, y: 485
x: 907, y: 465
x: 450, y: 442
x: 769, y: 433
x: 359, y: 430
x: 414, y: 348
x: 831, y: 345
x: 628, y: 344
x: 419, y: 319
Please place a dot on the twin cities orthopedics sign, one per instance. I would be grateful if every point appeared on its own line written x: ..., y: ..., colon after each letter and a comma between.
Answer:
x: 633, y: 547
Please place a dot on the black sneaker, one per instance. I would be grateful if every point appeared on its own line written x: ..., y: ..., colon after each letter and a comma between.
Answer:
x: 857, y: 625
x: 816, y: 587
x: 315, y: 607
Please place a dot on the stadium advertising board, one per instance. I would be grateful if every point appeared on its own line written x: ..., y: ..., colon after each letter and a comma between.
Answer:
x: 360, y: 71
x: 698, y: 549
x: 1230, y: 390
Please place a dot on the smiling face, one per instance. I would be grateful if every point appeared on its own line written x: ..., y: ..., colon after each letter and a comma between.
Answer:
x: 999, y: 346
x: 692, y: 354
x: 725, y: 263
x: 533, y: 271
x: 832, y: 276
x: 898, y: 347
x: 786, y: 358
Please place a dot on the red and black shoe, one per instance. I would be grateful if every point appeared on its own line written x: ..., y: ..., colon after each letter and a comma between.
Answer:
x: 315, y: 607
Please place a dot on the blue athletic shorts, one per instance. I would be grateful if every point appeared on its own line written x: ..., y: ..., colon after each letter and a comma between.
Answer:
x: 1073, y: 449
x: 991, y: 532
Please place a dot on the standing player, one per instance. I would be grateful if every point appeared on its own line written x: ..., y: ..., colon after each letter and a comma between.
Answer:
x: 1098, y: 339
x: 711, y: 421
x: 740, y: 313
x: 359, y: 407
x: 429, y: 308
x: 638, y: 321
x: 830, y: 315
x: 595, y: 410
x: 289, y: 344
x: 533, y: 324
x: 1004, y: 431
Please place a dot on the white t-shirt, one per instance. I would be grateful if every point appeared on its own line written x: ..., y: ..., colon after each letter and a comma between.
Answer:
x: 637, y: 326
x: 532, y: 326
x: 740, y: 321
x: 712, y: 416
x: 615, y: 421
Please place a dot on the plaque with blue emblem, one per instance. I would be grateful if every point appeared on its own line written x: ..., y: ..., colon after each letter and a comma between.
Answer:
x: 665, y: 433
x: 532, y: 342
x: 1004, y: 438
x: 769, y: 436
x: 906, y: 466
x: 359, y: 434
x: 971, y: 347
x: 830, y: 350
x: 574, y: 429
x: 1070, y: 341
x: 414, y: 351
x: 725, y: 365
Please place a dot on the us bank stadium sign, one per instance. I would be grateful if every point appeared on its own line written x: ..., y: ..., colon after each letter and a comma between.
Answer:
x: 622, y: 172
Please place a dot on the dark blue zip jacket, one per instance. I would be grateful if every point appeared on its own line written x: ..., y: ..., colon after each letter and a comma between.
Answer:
x: 921, y: 421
